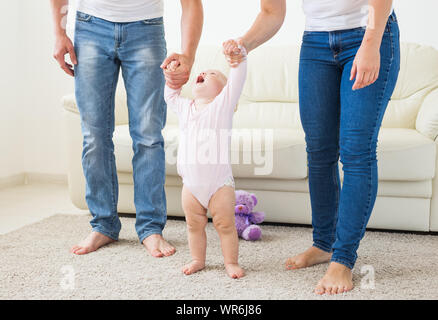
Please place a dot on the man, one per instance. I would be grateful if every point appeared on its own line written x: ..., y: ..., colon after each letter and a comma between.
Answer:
x: 110, y: 36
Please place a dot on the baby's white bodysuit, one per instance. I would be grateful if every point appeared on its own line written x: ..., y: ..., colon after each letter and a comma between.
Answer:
x: 203, y: 159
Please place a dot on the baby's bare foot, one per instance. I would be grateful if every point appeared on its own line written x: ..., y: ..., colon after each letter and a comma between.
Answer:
x: 338, y: 279
x: 234, y: 270
x: 157, y: 246
x: 94, y: 241
x: 308, y: 258
x: 193, y: 267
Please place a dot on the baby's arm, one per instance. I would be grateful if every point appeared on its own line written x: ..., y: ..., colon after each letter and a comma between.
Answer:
x: 173, y: 99
x: 236, y: 81
x: 172, y: 96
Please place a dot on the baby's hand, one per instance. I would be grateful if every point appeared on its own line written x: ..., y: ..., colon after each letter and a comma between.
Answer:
x: 172, y: 66
x: 234, y: 52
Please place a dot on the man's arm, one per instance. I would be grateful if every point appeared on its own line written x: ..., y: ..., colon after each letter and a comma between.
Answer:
x: 63, y: 44
x: 192, y: 20
x: 266, y: 25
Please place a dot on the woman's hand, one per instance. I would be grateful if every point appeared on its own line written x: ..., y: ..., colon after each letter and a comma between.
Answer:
x: 366, y: 66
x: 233, y: 53
x: 176, y: 69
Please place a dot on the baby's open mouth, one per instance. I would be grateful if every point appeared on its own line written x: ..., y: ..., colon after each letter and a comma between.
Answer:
x: 200, y: 79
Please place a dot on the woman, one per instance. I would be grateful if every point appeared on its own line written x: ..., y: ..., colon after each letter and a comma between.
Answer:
x: 349, y: 63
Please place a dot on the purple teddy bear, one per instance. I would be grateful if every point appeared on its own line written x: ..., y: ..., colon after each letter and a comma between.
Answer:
x: 246, y: 219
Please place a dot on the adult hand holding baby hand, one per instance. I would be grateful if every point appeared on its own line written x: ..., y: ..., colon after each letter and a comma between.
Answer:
x: 234, y: 51
x: 176, y: 69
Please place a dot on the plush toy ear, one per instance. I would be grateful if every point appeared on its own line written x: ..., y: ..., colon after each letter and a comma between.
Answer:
x: 254, y: 198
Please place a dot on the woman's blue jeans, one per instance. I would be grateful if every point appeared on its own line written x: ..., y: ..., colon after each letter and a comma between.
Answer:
x: 342, y: 123
x: 104, y: 48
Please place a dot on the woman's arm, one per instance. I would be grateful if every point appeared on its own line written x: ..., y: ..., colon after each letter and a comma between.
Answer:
x: 366, y: 65
x: 266, y: 25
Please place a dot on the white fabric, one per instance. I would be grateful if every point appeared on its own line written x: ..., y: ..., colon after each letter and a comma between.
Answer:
x: 405, y: 155
x: 330, y: 15
x: 427, y: 119
x: 122, y: 11
x: 205, y: 135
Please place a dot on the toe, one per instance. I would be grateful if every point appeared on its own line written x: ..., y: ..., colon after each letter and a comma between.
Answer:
x: 340, y: 289
x: 169, y: 251
x: 74, y: 248
x: 81, y: 250
x: 319, y: 289
x: 157, y: 253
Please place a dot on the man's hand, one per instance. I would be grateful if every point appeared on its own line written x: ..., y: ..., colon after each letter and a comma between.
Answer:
x: 176, y: 78
x: 63, y: 46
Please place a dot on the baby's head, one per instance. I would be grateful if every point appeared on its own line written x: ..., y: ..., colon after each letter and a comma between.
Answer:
x: 209, y: 84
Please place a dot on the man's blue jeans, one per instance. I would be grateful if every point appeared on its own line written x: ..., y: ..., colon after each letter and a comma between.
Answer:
x: 340, y: 122
x: 137, y: 48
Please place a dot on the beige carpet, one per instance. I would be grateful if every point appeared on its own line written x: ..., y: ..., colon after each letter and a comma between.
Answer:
x: 36, y: 264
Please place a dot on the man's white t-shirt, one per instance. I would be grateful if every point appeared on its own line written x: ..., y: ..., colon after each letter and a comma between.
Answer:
x: 122, y: 10
x: 331, y: 15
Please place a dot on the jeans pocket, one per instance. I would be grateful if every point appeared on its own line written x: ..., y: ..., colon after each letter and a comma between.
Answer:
x: 153, y: 21
x: 80, y: 16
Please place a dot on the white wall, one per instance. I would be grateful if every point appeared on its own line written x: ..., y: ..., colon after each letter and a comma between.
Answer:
x: 31, y: 127
x: 11, y: 132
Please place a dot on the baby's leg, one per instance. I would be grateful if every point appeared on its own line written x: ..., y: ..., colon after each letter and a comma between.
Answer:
x: 196, y: 218
x: 222, y: 210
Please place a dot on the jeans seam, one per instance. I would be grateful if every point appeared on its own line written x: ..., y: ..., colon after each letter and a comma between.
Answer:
x: 148, y: 233
x: 323, y: 248
x: 335, y: 222
x: 103, y: 231
x: 111, y: 158
x: 343, y: 262
x: 375, y: 125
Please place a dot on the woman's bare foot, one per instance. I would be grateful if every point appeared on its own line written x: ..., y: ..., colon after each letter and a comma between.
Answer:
x: 94, y: 241
x: 308, y: 258
x: 194, y: 266
x: 337, y: 279
x: 234, y: 270
x: 157, y: 246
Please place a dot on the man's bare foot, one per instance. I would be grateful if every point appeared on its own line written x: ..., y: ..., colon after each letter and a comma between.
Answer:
x: 337, y: 279
x: 157, y: 246
x: 194, y: 266
x: 308, y: 258
x: 234, y: 270
x: 94, y: 241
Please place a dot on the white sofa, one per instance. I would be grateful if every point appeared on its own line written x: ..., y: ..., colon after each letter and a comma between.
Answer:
x: 408, y: 187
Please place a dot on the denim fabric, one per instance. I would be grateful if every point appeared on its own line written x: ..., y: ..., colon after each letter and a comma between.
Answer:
x: 137, y: 49
x: 342, y: 123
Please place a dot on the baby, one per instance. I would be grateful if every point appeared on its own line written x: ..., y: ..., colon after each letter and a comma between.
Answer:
x: 203, y: 160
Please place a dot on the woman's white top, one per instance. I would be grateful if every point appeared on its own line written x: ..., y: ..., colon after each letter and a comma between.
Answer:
x: 122, y: 10
x: 331, y: 15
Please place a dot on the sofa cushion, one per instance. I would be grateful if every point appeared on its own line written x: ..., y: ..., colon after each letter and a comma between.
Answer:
x: 250, y: 152
x: 404, y: 154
